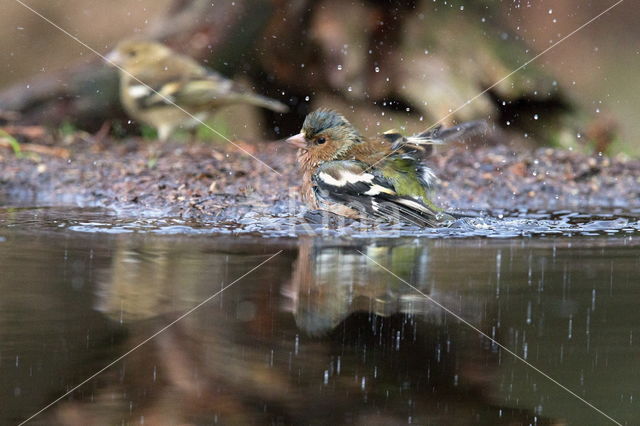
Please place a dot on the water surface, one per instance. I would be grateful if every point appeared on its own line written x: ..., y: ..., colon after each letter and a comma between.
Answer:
x: 327, y: 331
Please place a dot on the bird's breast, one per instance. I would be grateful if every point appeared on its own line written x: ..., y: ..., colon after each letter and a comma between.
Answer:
x: 305, y: 162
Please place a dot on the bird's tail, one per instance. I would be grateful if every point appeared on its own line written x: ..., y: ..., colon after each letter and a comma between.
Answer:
x: 264, y: 102
x: 439, y: 135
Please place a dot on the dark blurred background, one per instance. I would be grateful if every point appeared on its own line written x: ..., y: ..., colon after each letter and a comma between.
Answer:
x: 394, y: 64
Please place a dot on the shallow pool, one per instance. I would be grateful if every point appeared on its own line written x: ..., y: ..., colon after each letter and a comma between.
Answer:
x: 165, y: 321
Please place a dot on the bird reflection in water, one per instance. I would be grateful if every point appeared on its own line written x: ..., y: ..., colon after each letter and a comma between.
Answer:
x: 332, y: 281
x: 324, y: 336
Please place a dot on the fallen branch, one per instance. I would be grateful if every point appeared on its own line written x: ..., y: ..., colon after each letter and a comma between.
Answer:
x: 30, y: 132
x: 53, y: 151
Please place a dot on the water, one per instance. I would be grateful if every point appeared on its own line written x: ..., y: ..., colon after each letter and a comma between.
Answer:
x: 321, y: 333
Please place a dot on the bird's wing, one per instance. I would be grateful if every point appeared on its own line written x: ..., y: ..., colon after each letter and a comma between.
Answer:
x: 402, y: 144
x: 439, y: 135
x: 350, y: 183
x: 190, y: 91
x: 421, y: 145
x: 213, y: 88
x: 199, y: 92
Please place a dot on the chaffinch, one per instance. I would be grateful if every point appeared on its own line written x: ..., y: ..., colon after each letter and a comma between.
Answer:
x: 178, y: 79
x: 377, y: 178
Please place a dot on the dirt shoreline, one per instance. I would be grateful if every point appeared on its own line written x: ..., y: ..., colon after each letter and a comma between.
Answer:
x: 203, y: 181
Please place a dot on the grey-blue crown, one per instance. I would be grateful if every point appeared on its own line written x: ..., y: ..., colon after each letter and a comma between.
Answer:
x: 321, y: 120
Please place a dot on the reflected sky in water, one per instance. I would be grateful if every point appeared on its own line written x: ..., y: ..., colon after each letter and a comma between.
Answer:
x: 317, y: 335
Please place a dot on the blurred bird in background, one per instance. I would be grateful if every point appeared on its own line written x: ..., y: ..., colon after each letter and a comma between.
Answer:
x: 159, y: 87
x: 380, y: 178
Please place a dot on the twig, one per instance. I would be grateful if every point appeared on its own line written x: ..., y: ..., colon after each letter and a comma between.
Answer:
x: 35, y: 148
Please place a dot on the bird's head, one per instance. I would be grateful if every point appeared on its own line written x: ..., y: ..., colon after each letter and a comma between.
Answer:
x: 134, y: 54
x: 326, y: 135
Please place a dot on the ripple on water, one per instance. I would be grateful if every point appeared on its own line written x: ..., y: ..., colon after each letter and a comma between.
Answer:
x: 495, y: 225
x: 565, y: 224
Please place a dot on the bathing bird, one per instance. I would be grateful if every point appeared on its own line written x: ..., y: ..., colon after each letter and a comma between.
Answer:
x: 382, y: 177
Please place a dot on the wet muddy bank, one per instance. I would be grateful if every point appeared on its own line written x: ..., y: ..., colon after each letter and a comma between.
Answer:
x: 205, y: 181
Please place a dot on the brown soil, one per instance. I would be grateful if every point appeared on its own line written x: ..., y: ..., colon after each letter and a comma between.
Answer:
x: 198, y: 180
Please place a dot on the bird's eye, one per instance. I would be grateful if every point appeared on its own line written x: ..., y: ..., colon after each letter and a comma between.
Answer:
x: 320, y: 141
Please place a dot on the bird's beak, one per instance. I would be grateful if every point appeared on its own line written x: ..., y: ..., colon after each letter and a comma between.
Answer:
x: 298, y: 141
x: 114, y: 57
